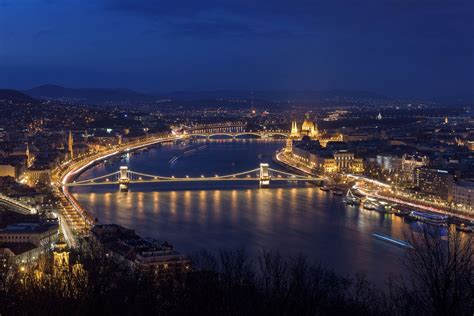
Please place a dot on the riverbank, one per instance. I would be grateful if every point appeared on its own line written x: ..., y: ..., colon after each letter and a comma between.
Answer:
x: 77, y: 220
x: 283, y: 161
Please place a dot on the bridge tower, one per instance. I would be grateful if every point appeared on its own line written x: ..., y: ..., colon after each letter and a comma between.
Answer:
x: 264, y: 175
x: 124, y: 180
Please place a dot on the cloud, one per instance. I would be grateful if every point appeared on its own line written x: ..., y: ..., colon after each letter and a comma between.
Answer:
x: 249, y: 17
x: 208, y: 18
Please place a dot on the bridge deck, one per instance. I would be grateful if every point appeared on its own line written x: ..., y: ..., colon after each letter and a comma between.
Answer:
x: 72, y: 184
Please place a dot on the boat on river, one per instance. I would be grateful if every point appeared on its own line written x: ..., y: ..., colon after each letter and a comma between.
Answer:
x: 173, y: 160
x: 377, y: 205
x: 430, y: 218
x: 351, y: 198
x: 190, y: 151
x: 325, y: 188
x: 397, y: 242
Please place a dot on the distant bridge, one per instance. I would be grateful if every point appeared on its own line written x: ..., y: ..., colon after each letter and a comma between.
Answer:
x: 238, y: 134
x: 16, y: 206
x: 230, y: 130
x: 124, y: 177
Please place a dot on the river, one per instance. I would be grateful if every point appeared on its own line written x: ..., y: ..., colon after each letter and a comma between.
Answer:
x: 290, y: 218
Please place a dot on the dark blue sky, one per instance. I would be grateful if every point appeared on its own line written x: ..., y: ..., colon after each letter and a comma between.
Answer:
x: 402, y: 47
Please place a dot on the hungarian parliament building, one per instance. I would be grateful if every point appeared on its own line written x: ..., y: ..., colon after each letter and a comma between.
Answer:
x: 314, y: 149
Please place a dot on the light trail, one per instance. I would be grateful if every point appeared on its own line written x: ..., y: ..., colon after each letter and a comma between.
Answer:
x: 278, y: 157
x: 82, y: 165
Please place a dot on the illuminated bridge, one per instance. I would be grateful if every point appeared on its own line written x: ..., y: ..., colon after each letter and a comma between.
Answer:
x: 263, y: 134
x: 124, y: 177
x: 232, y: 130
x: 16, y: 206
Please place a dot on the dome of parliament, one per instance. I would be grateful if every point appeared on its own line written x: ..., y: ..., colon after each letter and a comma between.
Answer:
x: 307, y: 125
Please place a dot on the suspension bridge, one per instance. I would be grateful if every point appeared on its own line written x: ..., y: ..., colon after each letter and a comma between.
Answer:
x: 124, y: 177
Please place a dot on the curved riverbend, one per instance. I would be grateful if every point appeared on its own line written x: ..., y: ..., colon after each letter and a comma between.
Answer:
x: 288, y: 218
x: 76, y: 167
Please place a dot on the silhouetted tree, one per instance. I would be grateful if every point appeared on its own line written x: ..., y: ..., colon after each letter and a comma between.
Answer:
x: 440, y: 275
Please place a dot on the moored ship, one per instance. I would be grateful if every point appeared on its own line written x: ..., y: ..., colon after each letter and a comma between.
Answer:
x: 430, y: 218
x: 351, y: 198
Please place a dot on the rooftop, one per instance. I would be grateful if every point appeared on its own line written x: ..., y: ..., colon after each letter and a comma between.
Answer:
x: 28, y: 228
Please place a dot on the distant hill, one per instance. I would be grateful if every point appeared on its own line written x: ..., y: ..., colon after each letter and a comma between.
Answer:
x: 88, y: 95
x: 273, y: 95
x: 15, y: 96
x: 130, y: 97
x: 464, y: 99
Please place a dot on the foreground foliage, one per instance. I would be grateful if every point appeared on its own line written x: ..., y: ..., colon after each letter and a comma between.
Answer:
x: 439, y: 281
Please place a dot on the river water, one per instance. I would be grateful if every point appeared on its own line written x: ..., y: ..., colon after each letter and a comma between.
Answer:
x: 290, y: 218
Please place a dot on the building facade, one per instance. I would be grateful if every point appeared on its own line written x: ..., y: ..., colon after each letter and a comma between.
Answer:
x: 436, y: 182
x: 464, y: 194
x: 38, y: 234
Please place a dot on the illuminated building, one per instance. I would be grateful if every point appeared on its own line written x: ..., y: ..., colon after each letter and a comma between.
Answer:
x: 60, y: 255
x: 13, y: 167
x: 470, y: 145
x: 464, y: 194
x: 347, y: 163
x: 294, y: 134
x: 436, y: 182
x: 409, y: 164
x: 124, y: 245
x: 39, y: 174
x: 24, y: 242
x: 294, y: 130
x: 289, y: 145
x: 38, y: 234
x: 325, y: 139
x: 327, y: 160
x: 310, y: 129
x: 62, y: 264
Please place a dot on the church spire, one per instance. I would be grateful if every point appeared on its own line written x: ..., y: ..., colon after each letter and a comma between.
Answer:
x: 294, y: 129
x: 70, y: 142
x: 27, y: 154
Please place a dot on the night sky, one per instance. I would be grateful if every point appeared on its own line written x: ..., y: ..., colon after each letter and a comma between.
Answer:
x: 403, y: 47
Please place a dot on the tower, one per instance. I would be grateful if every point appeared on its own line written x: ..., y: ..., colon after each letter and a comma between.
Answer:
x: 60, y: 254
x: 70, y: 142
x: 446, y: 120
x: 289, y: 145
x: 264, y: 175
x: 294, y: 130
x: 124, y: 180
x: 315, y: 131
x: 86, y: 136
x: 28, y: 157
x: 379, y: 117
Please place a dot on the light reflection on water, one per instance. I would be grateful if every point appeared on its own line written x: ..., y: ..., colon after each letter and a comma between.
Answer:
x: 288, y: 219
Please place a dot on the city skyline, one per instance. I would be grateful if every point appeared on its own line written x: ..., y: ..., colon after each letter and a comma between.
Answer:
x: 236, y: 157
